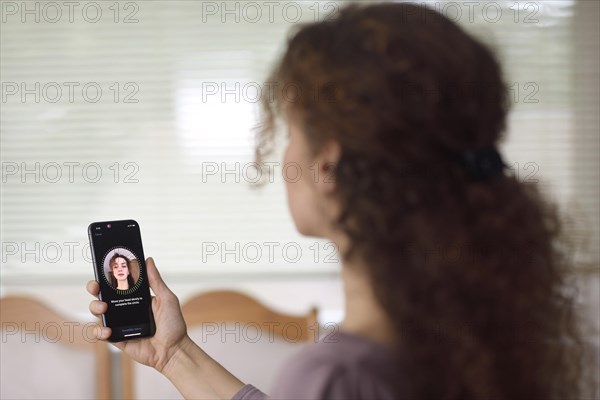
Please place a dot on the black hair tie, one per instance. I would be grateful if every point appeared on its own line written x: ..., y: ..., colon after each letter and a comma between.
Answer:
x: 483, y: 164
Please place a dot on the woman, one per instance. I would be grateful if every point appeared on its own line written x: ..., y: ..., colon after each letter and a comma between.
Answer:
x: 452, y: 280
x: 120, y: 272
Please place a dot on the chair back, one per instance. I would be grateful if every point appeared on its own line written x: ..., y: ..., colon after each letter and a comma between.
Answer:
x: 45, y: 355
x: 248, y: 338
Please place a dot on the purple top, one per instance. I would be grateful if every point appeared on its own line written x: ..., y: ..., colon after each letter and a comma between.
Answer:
x: 343, y: 366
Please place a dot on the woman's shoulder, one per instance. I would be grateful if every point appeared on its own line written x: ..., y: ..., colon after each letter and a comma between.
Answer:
x: 343, y: 348
x: 339, y: 365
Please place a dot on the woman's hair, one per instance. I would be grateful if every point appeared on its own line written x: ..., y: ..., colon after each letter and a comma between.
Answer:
x: 113, y: 280
x: 471, y: 274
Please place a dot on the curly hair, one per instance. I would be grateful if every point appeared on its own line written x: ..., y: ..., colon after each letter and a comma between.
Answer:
x: 471, y: 274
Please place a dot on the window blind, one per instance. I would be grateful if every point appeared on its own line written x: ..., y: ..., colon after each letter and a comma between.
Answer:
x: 144, y: 110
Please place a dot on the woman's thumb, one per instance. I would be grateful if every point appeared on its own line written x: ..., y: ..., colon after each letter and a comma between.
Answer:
x: 156, y: 282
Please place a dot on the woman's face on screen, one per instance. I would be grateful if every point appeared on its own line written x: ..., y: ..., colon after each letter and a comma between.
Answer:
x: 119, y: 269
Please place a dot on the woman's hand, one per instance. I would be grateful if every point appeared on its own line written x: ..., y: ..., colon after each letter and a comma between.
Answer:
x: 171, y: 331
x: 171, y: 351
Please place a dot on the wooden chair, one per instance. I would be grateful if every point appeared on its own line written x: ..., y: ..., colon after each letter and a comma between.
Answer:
x: 45, y: 355
x: 242, y: 334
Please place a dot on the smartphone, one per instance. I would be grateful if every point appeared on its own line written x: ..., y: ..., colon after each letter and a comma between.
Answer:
x: 120, y: 269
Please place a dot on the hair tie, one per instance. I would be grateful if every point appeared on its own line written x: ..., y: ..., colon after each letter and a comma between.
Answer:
x: 483, y: 164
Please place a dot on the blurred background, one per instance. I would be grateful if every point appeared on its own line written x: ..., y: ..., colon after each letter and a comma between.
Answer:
x: 145, y: 110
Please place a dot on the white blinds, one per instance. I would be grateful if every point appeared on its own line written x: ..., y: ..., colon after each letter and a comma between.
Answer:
x: 144, y: 110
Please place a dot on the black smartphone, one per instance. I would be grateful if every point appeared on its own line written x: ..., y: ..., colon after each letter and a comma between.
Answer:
x: 120, y: 269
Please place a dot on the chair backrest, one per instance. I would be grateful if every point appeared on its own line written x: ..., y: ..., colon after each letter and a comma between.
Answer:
x: 45, y: 355
x: 245, y: 336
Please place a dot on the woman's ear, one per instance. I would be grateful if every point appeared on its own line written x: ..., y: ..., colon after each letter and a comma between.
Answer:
x: 324, y: 167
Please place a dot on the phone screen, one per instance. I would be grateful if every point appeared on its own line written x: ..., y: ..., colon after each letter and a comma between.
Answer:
x: 120, y: 269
